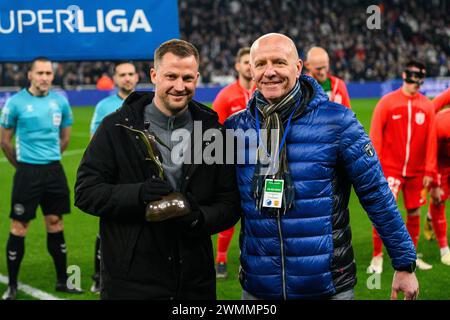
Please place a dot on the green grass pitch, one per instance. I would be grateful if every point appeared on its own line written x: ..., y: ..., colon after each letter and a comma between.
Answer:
x: 80, y: 231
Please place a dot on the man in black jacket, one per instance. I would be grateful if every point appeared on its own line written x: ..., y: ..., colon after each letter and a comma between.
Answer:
x: 170, y: 259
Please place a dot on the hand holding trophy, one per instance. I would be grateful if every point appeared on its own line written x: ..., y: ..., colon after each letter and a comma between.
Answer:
x: 169, y: 205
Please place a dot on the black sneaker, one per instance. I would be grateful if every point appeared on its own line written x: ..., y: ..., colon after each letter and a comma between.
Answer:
x: 62, y: 287
x: 95, y: 288
x: 10, y: 293
x: 221, y: 270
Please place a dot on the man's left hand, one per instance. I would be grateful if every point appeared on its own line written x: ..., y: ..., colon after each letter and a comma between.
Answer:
x: 405, y: 282
x: 427, y: 181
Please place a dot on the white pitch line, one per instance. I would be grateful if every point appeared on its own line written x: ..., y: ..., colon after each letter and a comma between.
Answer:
x: 29, y: 290
x: 66, y: 153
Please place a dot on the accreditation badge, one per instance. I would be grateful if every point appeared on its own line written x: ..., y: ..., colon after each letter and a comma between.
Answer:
x: 57, y: 117
x: 273, y: 193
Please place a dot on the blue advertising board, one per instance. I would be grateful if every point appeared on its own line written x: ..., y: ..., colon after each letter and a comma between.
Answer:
x: 67, y: 30
x: 431, y: 88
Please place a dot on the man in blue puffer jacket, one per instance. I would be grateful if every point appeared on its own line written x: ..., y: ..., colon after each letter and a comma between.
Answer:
x: 295, y: 235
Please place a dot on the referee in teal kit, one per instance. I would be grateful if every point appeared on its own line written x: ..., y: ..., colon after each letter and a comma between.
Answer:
x: 40, y: 120
x: 126, y: 79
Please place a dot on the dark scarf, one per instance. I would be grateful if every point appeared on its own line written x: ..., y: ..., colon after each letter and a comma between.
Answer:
x: 275, y: 116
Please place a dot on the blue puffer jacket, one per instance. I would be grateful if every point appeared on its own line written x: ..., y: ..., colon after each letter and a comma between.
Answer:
x: 307, y: 253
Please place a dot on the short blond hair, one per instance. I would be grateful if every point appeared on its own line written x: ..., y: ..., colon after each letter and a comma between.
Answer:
x: 180, y: 48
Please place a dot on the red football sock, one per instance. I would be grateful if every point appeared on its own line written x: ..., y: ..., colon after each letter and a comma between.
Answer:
x: 223, y: 242
x: 439, y: 223
x: 413, y: 226
x: 377, y: 243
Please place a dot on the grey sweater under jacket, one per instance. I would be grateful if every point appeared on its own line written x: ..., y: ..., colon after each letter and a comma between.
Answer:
x: 163, y: 127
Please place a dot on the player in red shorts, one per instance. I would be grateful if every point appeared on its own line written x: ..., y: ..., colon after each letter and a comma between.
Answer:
x: 440, y: 189
x: 404, y: 136
x: 231, y: 99
x: 318, y: 64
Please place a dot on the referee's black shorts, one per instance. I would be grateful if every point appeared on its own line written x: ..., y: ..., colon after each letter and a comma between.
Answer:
x: 36, y: 184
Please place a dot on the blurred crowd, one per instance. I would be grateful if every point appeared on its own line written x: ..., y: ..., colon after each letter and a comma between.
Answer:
x: 69, y: 74
x: 409, y: 29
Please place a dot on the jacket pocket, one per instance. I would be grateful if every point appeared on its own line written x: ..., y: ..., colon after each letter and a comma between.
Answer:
x: 130, y: 250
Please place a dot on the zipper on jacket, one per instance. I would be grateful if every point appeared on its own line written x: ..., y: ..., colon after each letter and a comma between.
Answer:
x: 170, y: 131
x: 408, y: 138
x: 283, y: 272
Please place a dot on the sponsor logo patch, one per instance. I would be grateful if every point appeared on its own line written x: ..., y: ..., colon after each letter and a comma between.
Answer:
x: 368, y: 149
x: 420, y: 118
x: 57, y: 119
x: 19, y: 209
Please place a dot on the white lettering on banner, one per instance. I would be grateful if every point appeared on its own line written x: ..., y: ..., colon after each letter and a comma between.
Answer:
x: 101, y: 21
x: 41, y: 21
x: 67, y: 22
x: 140, y: 22
x: 21, y: 23
x: 57, y: 21
x: 121, y: 23
x: 81, y: 27
x: 11, y: 24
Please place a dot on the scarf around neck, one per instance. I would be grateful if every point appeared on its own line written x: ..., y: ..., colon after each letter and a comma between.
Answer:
x: 271, y: 162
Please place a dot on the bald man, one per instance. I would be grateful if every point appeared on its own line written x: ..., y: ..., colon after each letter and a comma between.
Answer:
x: 318, y: 64
x: 295, y: 234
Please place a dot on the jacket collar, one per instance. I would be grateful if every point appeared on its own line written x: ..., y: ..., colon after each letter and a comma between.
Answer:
x: 165, y: 122
x: 313, y: 92
x: 312, y: 95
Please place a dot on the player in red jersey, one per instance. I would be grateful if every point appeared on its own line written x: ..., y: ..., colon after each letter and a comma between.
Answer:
x: 404, y: 136
x: 318, y: 64
x: 234, y: 97
x: 440, y: 189
x: 442, y: 100
x: 231, y: 99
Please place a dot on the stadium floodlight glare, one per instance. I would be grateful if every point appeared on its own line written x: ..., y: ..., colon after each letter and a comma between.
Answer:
x: 55, y: 21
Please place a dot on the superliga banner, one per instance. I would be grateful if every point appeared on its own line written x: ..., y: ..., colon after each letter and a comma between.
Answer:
x: 85, y: 29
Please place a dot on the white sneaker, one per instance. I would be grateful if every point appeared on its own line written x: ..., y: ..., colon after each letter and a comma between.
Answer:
x: 376, y: 265
x: 422, y: 265
x: 445, y: 259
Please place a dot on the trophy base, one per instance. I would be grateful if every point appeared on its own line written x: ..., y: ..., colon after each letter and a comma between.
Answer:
x: 171, y: 206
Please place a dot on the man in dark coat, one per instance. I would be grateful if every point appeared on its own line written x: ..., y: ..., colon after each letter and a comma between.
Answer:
x: 170, y: 259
